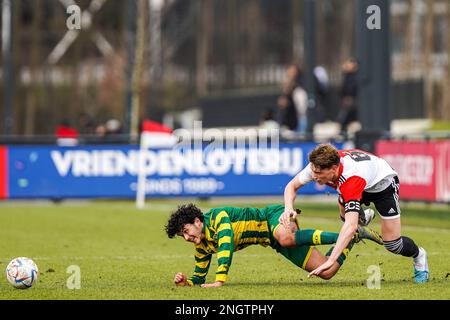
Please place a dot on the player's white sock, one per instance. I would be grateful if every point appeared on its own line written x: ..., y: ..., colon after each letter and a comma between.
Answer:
x: 420, y: 262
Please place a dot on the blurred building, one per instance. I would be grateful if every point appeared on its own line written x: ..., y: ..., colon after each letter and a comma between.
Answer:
x: 223, y: 57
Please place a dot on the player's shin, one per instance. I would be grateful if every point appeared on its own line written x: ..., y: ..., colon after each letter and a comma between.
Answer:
x: 314, y: 237
x: 404, y: 246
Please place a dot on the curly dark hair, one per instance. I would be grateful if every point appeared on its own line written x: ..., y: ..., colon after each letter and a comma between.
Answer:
x: 185, y: 214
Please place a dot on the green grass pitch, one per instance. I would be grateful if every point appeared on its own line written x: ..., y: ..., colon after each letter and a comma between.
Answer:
x: 123, y: 253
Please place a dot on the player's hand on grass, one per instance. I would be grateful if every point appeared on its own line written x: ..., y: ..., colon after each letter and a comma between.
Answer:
x: 180, y: 279
x: 209, y: 285
x: 323, y: 267
x: 288, y: 215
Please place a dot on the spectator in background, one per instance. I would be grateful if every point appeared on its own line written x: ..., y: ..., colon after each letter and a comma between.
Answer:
x: 296, y: 99
x: 66, y: 136
x: 268, y: 121
x: 300, y: 98
x: 349, y: 94
x: 100, y: 130
x: 294, y: 86
x: 322, y: 85
x: 113, y: 126
x: 85, y: 124
x: 288, y: 114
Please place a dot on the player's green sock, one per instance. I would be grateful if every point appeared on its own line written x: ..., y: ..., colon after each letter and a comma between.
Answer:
x: 344, y: 253
x: 314, y: 237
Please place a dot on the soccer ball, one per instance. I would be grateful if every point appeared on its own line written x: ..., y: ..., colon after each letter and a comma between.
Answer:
x: 22, y: 273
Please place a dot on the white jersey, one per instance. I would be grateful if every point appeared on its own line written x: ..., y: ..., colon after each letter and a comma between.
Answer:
x: 358, y: 171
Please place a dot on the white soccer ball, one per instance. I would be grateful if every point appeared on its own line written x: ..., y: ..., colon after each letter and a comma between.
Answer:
x: 22, y: 273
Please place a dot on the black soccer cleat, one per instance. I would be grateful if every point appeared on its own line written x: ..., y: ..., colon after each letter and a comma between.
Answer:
x: 369, y: 234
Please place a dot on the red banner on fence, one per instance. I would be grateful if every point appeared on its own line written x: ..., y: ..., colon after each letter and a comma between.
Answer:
x: 443, y: 172
x: 3, y: 172
x: 423, y: 168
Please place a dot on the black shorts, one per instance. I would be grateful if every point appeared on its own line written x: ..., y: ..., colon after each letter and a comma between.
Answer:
x: 386, y: 202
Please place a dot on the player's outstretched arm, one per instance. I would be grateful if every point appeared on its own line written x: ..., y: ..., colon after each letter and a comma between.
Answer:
x: 290, y: 193
x: 346, y: 234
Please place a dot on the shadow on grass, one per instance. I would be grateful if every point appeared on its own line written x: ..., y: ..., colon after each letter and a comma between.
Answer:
x: 337, y: 283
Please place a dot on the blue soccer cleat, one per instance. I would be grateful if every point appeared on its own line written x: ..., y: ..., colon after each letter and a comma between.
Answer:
x: 421, y: 271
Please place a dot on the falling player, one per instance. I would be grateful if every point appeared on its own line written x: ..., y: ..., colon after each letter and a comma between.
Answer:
x: 230, y: 229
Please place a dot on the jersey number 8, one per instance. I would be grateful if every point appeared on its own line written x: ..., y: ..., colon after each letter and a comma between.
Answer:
x: 358, y: 156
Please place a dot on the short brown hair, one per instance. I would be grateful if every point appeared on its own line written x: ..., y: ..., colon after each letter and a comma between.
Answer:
x: 324, y: 156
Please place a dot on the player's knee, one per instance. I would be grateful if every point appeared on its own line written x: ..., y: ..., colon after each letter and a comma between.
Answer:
x: 330, y: 273
x: 286, y: 240
x: 327, y: 275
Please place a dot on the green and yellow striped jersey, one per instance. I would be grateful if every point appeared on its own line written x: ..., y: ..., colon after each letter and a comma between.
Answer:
x: 227, y: 230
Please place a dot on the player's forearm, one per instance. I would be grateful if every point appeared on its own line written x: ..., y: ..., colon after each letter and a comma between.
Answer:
x: 202, y: 263
x: 345, y: 235
x: 225, y: 250
x: 195, y: 280
x: 221, y: 277
x: 290, y: 193
x: 224, y: 263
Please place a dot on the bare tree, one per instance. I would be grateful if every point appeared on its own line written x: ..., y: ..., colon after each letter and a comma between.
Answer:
x: 231, y: 54
x: 33, y: 95
x: 138, y: 68
x: 348, y: 29
x: 297, y: 32
x: 410, y: 35
x: 253, y: 24
x: 446, y: 84
x: 428, y: 58
x: 203, y: 42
